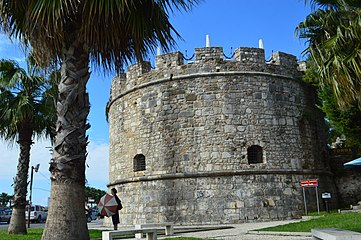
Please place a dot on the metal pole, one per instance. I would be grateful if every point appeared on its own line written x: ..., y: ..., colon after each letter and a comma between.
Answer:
x: 304, y: 199
x: 326, y: 201
x: 318, y: 204
x: 31, y: 189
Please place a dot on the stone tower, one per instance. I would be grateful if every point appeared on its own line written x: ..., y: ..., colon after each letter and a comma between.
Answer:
x: 215, y: 140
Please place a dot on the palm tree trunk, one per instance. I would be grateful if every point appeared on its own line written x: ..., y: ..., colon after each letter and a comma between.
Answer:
x: 17, y: 221
x: 66, y: 218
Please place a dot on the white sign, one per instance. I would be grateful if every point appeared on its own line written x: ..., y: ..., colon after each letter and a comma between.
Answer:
x: 326, y: 195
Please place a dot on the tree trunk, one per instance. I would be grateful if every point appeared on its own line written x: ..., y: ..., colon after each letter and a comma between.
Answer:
x: 17, y: 221
x: 66, y: 218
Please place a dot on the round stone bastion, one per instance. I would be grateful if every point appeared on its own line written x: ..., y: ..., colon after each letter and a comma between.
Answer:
x: 214, y: 140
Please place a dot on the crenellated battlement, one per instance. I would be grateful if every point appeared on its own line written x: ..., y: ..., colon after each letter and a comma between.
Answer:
x: 284, y: 59
x: 247, y: 55
x: 207, y: 60
x: 213, y: 56
x: 169, y: 60
x: 209, y: 53
x: 138, y: 69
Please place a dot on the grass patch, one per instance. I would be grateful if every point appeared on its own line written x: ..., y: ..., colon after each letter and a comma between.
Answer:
x: 322, y: 213
x: 36, y: 233
x: 347, y: 221
x: 33, y: 234
x: 95, y: 234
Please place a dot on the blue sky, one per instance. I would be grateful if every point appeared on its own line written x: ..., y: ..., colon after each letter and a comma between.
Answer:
x: 230, y: 23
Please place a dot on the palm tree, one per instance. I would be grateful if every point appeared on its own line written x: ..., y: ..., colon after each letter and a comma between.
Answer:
x: 106, y: 33
x: 24, y: 113
x: 333, y: 33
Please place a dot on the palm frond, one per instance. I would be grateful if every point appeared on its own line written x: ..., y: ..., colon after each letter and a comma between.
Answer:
x: 334, y: 35
x: 25, y: 100
x: 115, y: 32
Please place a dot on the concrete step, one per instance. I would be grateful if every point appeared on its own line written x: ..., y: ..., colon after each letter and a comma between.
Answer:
x: 356, y: 207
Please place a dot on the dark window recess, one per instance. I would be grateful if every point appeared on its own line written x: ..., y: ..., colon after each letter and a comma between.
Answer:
x: 139, y: 163
x: 255, y: 154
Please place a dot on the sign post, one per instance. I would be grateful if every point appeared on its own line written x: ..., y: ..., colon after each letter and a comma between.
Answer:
x: 310, y: 183
x: 318, y: 203
x: 326, y: 196
x: 304, y: 199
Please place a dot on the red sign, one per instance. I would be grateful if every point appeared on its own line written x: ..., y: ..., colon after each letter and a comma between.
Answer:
x: 309, y: 183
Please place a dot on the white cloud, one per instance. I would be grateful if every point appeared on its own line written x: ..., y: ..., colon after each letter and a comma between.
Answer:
x: 98, y: 162
x: 9, y: 160
x: 96, y: 173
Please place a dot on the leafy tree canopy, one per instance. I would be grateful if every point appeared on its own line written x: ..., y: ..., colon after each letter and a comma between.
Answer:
x: 94, y: 193
x: 5, y: 199
x: 342, y: 122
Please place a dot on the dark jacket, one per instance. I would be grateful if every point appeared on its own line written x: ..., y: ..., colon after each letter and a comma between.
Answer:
x: 115, y: 217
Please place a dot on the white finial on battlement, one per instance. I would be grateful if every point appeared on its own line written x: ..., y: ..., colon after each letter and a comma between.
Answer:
x: 208, y: 41
x: 260, y: 44
x: 158, y: 51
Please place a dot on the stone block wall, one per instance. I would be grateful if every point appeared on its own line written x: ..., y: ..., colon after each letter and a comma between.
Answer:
x: 347, y: 180
x: 209, y: 53
x: 194, y: 124
x: 249, y: 55
x: 170, y: 60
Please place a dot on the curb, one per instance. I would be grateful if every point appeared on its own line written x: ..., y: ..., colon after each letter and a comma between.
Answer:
x: 302, y: 234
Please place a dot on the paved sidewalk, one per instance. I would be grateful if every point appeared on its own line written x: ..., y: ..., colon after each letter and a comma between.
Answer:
x: 244, y: 231
x: 241, y: 232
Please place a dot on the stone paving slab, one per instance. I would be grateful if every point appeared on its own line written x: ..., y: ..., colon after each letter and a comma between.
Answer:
x: 244, y: 231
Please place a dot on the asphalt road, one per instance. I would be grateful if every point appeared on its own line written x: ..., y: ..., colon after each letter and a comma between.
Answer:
x: 4, y: 226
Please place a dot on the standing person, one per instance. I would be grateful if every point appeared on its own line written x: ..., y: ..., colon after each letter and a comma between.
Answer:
x: 115, y: 217
x: 87, y: 213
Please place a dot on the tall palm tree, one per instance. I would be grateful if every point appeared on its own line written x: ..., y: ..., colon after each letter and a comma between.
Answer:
x: 25, y: 111
x: 106, y: 33
x: 333, y: 33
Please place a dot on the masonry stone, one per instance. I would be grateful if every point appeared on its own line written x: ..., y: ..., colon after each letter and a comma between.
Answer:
x: 224, y: 141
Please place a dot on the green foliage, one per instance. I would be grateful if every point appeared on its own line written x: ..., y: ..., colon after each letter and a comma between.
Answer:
x: 333, y: 33
x: 5, y: 199
x: 26, y: 101
x: 133, y: 28
x: 347, y: 221
x: 94, y: 193
x: 311, y: 75
x: 342, y: 122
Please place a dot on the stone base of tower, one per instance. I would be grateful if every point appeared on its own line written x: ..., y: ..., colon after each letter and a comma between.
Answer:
x: 218, y: 198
